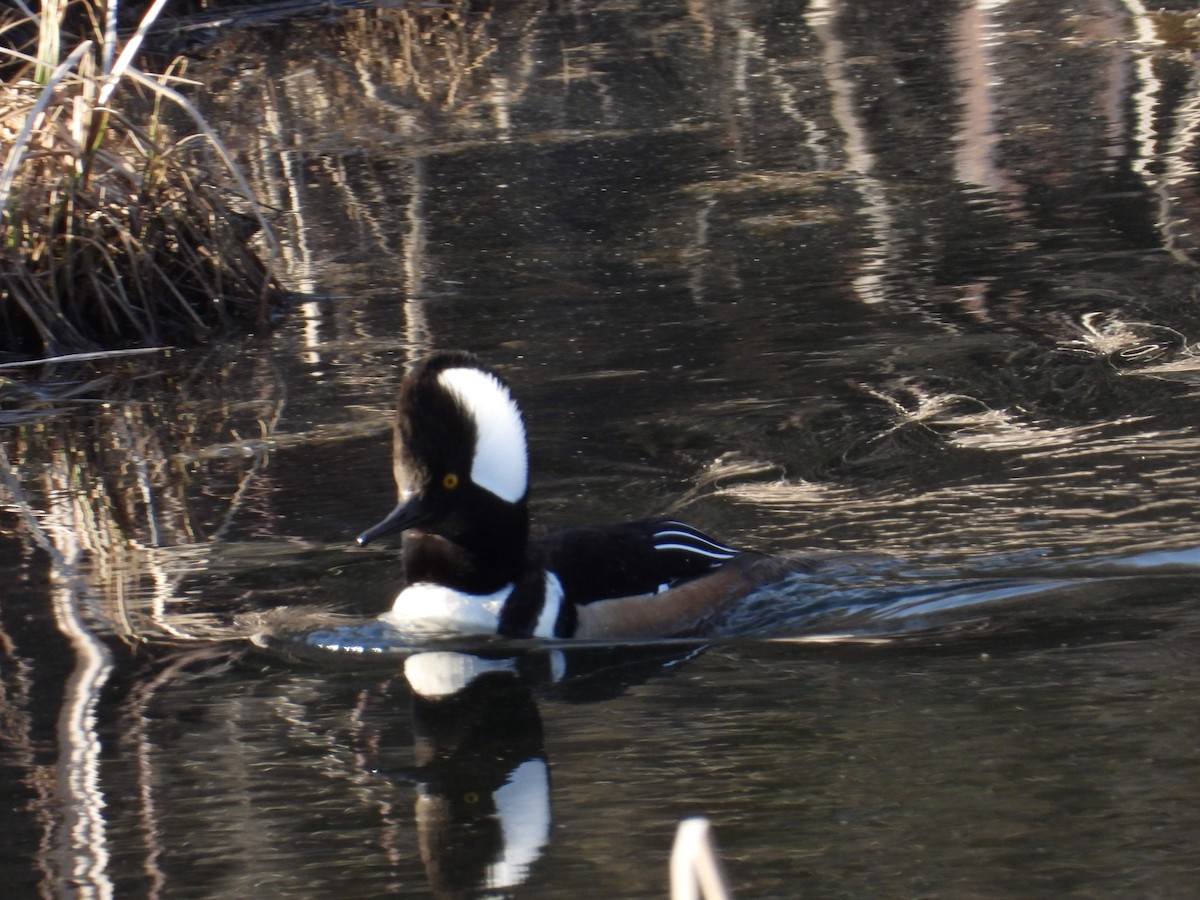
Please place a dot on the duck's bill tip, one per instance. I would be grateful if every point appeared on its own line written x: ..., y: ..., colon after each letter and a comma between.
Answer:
x: 405, y: 515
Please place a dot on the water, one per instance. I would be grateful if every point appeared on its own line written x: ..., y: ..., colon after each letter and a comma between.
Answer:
x: 912, y: 291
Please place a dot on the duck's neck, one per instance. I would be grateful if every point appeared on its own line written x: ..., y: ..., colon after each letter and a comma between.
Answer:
x: 480, y: 560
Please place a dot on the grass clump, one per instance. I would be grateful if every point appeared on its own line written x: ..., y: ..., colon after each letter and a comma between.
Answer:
x: 116, y: 229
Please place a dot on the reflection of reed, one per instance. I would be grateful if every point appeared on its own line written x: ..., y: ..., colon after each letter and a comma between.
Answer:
x: 830, y: 98
x: 111, y: 502
x: 111, y: 496
x: 386, y: 76
x: 136, y: 726
x: 434, y: 53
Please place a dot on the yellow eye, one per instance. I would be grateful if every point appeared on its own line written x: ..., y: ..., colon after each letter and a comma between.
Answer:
x: 450, y: 481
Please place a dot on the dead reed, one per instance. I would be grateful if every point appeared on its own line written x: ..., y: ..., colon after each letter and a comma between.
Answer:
x: 117, y: 226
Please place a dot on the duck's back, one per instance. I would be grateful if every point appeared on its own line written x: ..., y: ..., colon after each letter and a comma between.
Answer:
x: 643, y: 557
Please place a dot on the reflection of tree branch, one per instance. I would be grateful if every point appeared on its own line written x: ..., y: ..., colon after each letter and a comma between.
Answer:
x: 847, y: 110
x: 83, y: 840
x: 82, y: 837
x: 73, y: 807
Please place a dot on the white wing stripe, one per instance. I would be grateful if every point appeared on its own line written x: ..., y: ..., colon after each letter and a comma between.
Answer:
x: 728, y: 554
x: 696, y: 539
x: 700, y: 540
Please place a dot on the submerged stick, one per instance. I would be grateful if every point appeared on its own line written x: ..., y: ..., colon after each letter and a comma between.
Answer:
x: 82, y: 357
x: 695, y: 870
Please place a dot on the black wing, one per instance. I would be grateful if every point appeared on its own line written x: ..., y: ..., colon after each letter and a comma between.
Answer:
x: 644, y: 557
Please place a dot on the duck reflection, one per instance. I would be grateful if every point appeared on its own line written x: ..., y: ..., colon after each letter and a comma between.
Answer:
x: 482, y: 776
x: 483, y: 783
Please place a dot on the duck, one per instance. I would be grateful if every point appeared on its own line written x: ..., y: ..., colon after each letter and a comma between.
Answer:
x: 474, y: 565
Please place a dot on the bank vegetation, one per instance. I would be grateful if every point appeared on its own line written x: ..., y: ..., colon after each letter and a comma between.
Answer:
x: 124, y: 221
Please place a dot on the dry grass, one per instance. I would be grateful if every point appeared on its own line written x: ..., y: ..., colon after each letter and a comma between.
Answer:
x: 117, y: 228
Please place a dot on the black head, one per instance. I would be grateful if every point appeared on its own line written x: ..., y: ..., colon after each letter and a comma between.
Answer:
x: 460, y: 457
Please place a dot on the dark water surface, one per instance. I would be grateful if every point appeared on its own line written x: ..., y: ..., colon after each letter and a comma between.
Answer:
x: 914, y: 281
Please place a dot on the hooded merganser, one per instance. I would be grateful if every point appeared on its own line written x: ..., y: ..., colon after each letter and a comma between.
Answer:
x: 461, y: 466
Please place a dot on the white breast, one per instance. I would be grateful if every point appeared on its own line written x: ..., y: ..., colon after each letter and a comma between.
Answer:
x: 437, y: 674
x: 443, y: 673
x: 436, y: 608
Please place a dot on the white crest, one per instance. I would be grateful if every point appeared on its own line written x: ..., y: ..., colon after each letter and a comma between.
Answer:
x: 501, y: 461
x: 523, y: 808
